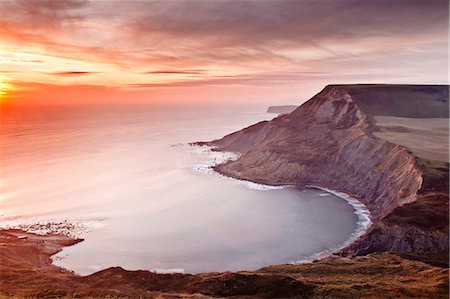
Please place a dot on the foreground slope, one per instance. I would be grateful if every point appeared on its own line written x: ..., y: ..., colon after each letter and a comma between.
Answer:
x: 26, y: 272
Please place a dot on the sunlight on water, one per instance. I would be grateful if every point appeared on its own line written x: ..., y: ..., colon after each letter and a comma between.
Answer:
x: 115, y: 175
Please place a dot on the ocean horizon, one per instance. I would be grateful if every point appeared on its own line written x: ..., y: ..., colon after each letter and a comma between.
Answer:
x: 112, y: 176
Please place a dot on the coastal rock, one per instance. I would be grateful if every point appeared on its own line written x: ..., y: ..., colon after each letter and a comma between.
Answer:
x: 328, y: 142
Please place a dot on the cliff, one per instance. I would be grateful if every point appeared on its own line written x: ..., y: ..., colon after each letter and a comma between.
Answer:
x: 330, y: 141
x: 333, y: 141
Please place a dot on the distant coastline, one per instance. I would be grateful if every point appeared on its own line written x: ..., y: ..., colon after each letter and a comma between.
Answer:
x: 283, y: 109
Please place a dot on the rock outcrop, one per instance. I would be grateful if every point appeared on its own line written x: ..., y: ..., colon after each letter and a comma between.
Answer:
x: 328, y: 142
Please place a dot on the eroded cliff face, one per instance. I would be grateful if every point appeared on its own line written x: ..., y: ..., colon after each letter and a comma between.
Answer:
x: 325, y: 142
x: 328, y: 142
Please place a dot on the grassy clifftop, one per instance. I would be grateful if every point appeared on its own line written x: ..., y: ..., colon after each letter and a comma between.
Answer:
x: 386, y: 145
x: 414, y: 101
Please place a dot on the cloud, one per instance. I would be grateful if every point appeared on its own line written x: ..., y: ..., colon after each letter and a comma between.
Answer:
x: 175, y: 72
x: 70, y: 74
x: 254, y: 43
x: 262, y: 79
x: 38, y: 22
x: 41, y: 13
x: 253, y: 23
x: 205, y: 31
x: 283, y: 34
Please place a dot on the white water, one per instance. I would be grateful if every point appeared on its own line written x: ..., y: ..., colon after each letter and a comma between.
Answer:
x: 115, y: 177
x: 361, y: 211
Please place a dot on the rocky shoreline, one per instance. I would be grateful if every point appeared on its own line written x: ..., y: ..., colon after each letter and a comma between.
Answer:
x: 363, y: 214
x: 328, y: 142
x: 27, y: 272
x: 331, y: 134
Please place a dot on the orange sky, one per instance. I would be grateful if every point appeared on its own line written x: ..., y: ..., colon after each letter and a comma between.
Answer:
x: 77, y: 51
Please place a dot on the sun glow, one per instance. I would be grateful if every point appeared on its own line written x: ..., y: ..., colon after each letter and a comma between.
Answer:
x: 5, y: 88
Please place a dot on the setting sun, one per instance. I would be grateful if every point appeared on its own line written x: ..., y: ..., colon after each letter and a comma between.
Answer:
x: 5, y: 88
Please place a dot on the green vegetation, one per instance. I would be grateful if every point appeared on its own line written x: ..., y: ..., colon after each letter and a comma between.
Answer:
x: 435, y: 175
x: 415, y: 101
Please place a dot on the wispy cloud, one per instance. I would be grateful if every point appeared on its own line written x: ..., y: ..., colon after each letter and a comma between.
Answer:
x: 209, y: 43
x: 70, y: 74
x: 253, y: 23
x: 175, y: 72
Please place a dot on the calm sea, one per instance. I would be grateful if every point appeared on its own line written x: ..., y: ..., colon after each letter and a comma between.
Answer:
x: 124, y: 176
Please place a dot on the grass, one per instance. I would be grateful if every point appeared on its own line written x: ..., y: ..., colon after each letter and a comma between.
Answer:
x: 435, y: 175
x: 415, y: 101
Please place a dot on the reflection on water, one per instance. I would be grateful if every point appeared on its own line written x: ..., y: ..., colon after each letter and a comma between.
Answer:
x: 117, y: 167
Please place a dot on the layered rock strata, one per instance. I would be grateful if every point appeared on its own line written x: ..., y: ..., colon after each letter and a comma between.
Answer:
x: 328, y: 142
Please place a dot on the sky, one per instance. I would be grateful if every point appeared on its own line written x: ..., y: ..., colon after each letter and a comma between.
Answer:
x: 271, y: 51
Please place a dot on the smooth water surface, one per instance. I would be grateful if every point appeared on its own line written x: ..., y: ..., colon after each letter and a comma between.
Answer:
x: 117, y: 170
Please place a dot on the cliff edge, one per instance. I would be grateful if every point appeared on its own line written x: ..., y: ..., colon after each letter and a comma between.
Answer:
x: 386, y: 145
x: 331, y: 141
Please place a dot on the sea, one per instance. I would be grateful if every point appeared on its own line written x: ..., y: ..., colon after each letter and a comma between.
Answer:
x: 125, y: 179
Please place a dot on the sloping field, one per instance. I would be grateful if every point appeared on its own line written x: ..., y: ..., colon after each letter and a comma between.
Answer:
x: 426, y: 137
